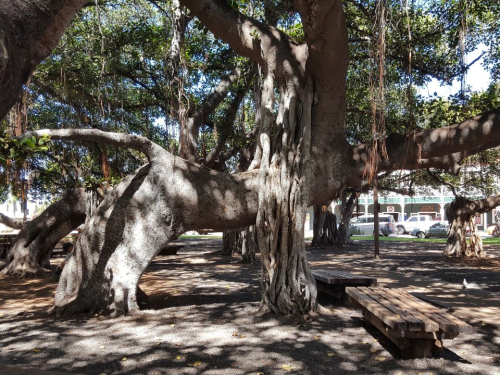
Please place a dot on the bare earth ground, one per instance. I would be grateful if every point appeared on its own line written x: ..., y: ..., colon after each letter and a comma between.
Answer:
x: 200, y: 319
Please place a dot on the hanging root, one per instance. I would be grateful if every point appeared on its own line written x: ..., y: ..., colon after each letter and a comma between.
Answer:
x: 475, y: 248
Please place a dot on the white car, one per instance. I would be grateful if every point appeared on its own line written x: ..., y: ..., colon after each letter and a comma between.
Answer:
x: 417, y: 221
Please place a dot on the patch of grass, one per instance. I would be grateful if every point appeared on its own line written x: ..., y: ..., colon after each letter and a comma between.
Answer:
x: 399, y: 239
x: 491, y: 241
x: 200, y: 237
x: 486, y: 241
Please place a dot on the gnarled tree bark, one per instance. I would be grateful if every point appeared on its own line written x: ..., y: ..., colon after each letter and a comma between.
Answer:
x: 30, y: 253
x: 29, y: 31
x: 460, y: 214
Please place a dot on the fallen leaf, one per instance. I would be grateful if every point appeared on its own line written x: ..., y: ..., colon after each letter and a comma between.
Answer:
x: 330, y: 354
x: 287, y: 367
x: 317, y: 337
x: 227, y: 286
x: 195, y: 364
x: 172, y: 325
x: 124, y: 359
x: 176, y: 291
x: 380, y: 358
x: 37, y: 350
x: 243, y: 336
x: 373, y: 350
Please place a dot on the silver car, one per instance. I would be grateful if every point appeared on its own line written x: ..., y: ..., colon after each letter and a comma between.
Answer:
x: 364, y: 225
x: 440, y: 229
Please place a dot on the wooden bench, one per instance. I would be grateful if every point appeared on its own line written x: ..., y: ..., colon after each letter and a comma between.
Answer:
x: 6, y: 241
x: 416, y: 327
x: 334, y: 282
x: 170, y: 249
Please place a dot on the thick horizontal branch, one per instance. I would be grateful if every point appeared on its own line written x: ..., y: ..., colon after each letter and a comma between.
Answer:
x: 439, y: 148
x: 481, y: 205
x: 11, y: 222
x: 136, y: 142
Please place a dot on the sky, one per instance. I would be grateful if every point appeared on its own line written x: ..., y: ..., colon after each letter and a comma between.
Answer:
x: 477, y: 78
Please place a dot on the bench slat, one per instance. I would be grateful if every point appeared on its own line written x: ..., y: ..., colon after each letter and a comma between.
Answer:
x: 410, y: 307
x: 378, y: 294
x: 376, y: 309
x: 399, y: 299
x: 448, y: 322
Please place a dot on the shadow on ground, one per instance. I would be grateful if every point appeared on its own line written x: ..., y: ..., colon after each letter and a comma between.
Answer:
x: 200, y: 319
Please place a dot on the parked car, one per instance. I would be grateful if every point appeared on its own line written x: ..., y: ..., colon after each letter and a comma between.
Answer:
x: 365, y: 225
x: 413, y: 222
x: 439, y: 229
x: 491, y: 229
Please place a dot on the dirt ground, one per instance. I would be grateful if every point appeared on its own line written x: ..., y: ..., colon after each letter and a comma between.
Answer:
x: 200, y: 319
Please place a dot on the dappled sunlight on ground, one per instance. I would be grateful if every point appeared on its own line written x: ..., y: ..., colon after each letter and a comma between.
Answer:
x: 200, y: 319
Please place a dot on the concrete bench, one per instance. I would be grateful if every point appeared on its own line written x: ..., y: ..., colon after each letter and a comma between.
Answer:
x: 334, y: 282
x: 416, y: 327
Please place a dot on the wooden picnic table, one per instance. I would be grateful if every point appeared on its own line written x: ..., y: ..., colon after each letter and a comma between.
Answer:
x: 334, y: 282
x: 415, y: 326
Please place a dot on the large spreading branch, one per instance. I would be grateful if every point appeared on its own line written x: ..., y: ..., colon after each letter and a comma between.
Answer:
x: 11, y: 222
x: 136, y: 142
x: 264, y: 44
x: 442, y: 148
x: 190, y: 127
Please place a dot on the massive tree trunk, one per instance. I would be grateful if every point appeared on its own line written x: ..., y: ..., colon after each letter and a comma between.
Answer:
x: 461, y: 214
x: 30, y: 253
x: 29, y: 31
